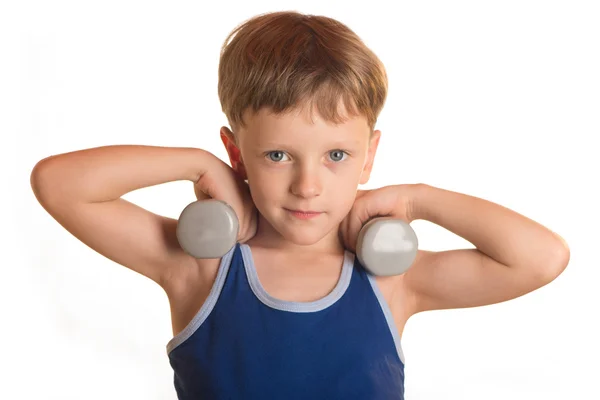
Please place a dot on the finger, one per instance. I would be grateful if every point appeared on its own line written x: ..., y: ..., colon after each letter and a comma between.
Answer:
x: 352, y: 219
x: 343, y: 234
x: 361, y: 193
x: 354, y: 223
x: 364, y: 210
x: 200, y: 195
x: 353, y: 228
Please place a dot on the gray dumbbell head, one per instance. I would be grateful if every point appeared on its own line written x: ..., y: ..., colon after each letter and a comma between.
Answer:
x: 207, y: 229
x: 387, y: 246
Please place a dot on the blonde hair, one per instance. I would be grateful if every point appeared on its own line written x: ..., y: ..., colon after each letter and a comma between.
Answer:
x: 285, y: 60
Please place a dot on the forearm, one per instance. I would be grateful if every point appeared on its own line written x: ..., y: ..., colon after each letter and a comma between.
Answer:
x: 504, y: 235
x: 107, y: 173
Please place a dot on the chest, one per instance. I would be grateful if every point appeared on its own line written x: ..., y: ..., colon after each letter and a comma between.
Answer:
x: 296, y: 279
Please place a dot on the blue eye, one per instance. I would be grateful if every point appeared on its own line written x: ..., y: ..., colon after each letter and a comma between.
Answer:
x: 340, y: 152
x: 279, y: 154
x: 275, y: 152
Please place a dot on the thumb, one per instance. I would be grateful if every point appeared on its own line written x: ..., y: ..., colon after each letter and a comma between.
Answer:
x: 355, y: 220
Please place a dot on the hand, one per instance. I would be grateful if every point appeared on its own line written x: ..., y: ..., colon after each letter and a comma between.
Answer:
x: 221, y: 182
x: 394, y: 201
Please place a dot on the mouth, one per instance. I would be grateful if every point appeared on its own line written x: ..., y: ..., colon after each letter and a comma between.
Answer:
x: 304, y: 214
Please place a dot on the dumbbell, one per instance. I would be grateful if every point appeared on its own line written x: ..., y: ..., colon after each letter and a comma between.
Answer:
x: 209, y: 229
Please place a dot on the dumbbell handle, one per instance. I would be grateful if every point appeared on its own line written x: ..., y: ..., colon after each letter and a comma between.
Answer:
x: 209, y: 229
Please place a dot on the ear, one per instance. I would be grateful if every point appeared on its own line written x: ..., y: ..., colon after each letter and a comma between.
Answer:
x: 235, y: 156
x: 368, y: 167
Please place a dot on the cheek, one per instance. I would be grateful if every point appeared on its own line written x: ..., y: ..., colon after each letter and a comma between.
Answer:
x: 343, y: 197
x: 257, y: 173
x: 263, y: 191
x: 347, y: 193
x: 348, y: 202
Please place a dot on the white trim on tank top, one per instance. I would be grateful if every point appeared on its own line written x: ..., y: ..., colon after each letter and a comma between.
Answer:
x: 283, y: 305
x: 296, y: 306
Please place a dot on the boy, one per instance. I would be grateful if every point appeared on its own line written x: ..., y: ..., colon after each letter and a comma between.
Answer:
x: 289, y: 312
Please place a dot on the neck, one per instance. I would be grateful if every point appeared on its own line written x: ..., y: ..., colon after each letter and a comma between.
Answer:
x: 268, y: 237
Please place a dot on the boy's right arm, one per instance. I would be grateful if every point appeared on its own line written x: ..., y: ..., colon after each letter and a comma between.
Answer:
x: 82, y: 191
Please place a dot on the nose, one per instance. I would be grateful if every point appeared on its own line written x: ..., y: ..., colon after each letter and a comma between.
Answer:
x: 306, y: 182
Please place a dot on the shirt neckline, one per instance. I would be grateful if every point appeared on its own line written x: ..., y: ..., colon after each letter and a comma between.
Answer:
x: 295, y: 306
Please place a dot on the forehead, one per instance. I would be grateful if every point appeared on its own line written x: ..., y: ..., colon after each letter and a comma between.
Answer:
x: 304, y: 125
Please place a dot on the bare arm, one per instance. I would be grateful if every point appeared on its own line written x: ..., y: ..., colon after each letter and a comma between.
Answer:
x: 106, y: 173
x: 82, y: 191
x: 514, y: 255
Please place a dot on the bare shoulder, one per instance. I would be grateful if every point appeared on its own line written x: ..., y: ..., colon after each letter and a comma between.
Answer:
x: 188, y: 288
x: 399, y: 297
x: 189, y: 275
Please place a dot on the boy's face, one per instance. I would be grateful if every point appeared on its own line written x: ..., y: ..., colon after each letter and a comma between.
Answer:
x: 292, y: 164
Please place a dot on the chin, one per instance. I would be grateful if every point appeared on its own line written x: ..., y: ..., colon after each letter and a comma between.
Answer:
x: 302, y: 238
x: 305, y: 236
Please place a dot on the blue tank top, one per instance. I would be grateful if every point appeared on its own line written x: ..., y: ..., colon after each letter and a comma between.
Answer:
x: 245, y: 344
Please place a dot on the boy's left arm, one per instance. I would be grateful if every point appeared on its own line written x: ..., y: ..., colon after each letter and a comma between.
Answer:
x: 514, y: 255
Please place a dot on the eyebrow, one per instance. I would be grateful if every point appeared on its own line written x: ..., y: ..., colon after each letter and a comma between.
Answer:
x: 336, y: 144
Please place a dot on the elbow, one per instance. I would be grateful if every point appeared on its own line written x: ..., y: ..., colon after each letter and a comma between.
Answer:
x: 558, y: 261
x: 563, y: 254
x: 39, y: 179
x: 35, y: 179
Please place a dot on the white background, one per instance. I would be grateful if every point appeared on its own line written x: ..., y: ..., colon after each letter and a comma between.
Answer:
x: 500, y: 100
